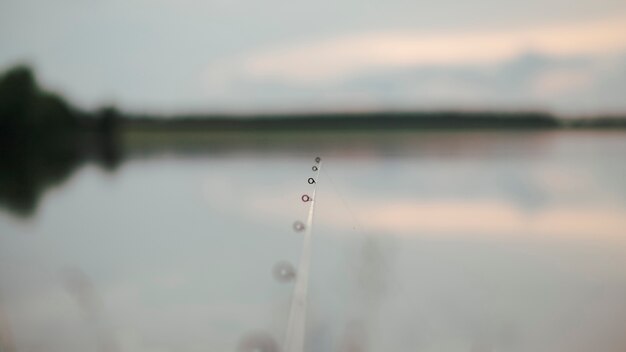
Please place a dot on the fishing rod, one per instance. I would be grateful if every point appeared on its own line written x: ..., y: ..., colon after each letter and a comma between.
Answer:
x: 285, y: 272
x: 296, y: 325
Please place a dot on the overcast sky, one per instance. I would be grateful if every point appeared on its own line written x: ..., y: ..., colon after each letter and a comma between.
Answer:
x: 567, y: 56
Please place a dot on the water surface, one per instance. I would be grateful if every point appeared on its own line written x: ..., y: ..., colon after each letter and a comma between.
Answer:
x: 439, y: 241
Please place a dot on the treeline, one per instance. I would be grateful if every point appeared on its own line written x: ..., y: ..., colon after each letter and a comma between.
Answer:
x: 26, y: 109
x: 354, y: 121
x: 376, y: 120
x: 43, y: 138
x: 28, y: 112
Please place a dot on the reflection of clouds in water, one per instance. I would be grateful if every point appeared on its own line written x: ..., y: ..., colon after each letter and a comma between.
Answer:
x: 459, y: 217
x: 522, y: 191
x: 494, y: 201
x: 564, y: 180
x: 405, y: 217
x: 485, y: 197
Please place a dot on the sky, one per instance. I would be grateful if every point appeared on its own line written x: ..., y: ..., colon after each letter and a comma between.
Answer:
x: 568, y: 57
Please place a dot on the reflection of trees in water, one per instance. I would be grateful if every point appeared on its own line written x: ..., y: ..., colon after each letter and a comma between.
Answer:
x: 43, y: 139
x: 26, y: 173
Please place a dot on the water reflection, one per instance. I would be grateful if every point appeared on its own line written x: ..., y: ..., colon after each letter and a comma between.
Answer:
x: 29, y: 170
x: 27, y: 173
x: 471, y: 241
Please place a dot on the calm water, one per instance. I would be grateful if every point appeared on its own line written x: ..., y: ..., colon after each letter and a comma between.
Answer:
x: 464, y: 241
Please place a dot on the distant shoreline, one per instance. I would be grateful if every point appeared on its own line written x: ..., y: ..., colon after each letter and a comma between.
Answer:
x: 444, y: 120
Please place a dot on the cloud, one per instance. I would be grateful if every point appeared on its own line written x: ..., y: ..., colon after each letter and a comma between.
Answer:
x: 494, y: 218
x: 574, y: 68
x: 568, y: 85
x: 347, y: 56
x: 480, y: 218
x: 562, y: 81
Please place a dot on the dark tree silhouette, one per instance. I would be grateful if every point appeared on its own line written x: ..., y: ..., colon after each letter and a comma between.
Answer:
x: 43, y: 139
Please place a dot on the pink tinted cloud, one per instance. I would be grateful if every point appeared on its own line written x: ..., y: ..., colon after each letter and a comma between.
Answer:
x: 344, y: 56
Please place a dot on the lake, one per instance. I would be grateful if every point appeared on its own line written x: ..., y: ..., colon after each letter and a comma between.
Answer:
x: 477, y: 241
